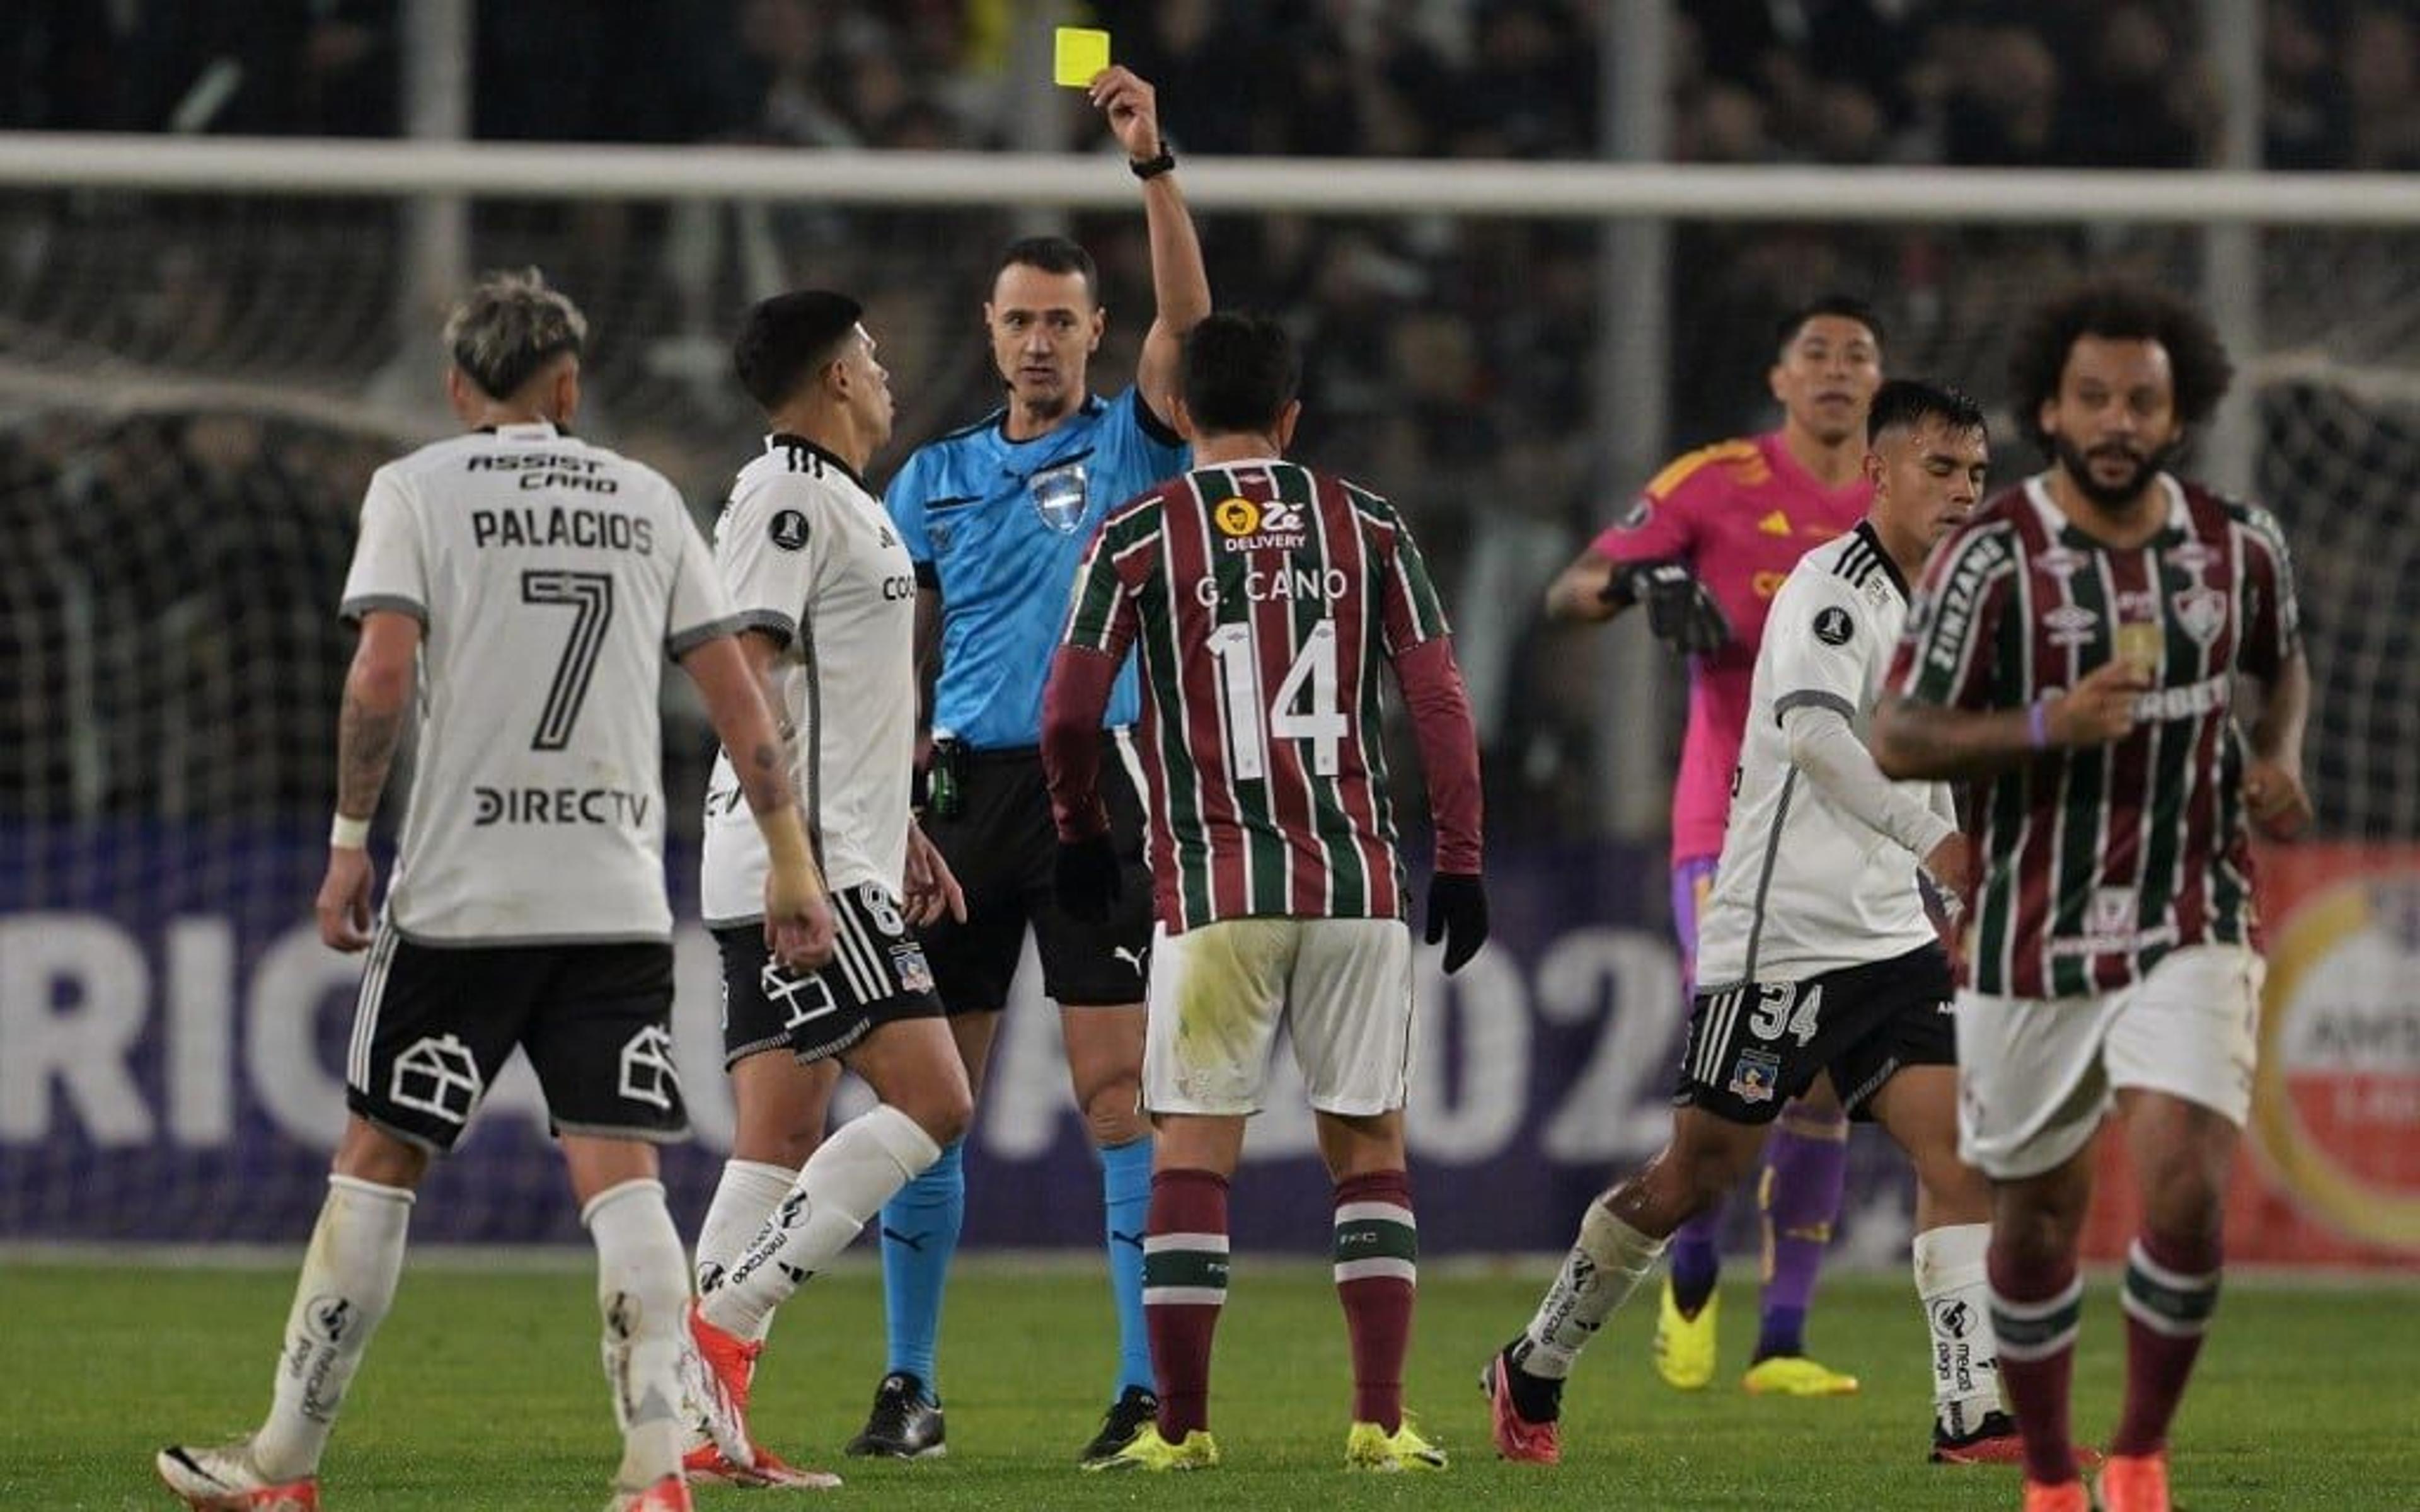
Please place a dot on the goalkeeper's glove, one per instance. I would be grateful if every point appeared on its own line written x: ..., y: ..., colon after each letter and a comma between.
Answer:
x: 1680, y: 610
x: 1087, y: 878
x: 1457, y: 916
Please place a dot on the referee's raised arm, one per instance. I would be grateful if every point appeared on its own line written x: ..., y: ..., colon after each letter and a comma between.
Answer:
x: 1180, y: 286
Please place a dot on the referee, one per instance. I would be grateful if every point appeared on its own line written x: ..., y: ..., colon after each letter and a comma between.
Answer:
x: 996, y: 517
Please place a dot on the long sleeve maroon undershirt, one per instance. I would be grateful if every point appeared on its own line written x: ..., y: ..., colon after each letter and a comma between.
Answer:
x: 1077, y: 693
x: 1074, y: 698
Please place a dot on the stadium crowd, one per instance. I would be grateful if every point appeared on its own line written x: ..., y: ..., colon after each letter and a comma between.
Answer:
x: 1451, y: 361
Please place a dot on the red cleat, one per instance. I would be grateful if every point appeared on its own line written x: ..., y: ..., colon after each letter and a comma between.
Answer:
x: 2135, y: 1483
x: 2067, y: 1496
x: 717, y: 1369
x: 223, y: 1479
x: 670, y: 1495
x: 1517, y: 1437
x: 1995, y: 1441
x: 705, y: 1464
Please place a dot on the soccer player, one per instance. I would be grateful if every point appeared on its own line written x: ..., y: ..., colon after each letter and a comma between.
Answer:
x: 1705, y: 548
x: 827, y: 596
x: 2077, y: 653
x: 996, y: 517
x: 1263, y: 598
x: 535, y: 583
x: 1817, y: 956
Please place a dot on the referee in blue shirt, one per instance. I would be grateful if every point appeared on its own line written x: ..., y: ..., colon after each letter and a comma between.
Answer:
x: 997, y: 517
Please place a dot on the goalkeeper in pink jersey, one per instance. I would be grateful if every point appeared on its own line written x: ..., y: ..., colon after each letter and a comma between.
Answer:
x: 1703, y: 548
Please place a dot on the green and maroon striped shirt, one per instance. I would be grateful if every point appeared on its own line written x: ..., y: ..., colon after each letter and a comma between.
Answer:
x: 1261, y: 598
x: 2098, y: 861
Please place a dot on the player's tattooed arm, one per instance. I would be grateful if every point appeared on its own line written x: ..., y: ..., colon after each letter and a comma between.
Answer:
x: 1912, y: 738
x: 735, y: 704
x: 366, y: 742
x: 369, y: 726
x: 378, y: 691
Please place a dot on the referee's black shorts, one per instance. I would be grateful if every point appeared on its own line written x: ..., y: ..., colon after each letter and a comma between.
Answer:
x: 1002, y: 846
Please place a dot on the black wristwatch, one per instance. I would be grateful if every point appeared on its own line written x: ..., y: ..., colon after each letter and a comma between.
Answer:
x: 1153, y: 167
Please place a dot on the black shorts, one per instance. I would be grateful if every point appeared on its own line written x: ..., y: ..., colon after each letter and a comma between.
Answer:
x: 1752, y: 1048
x: 878, y: 974
x: 434, y: 1024
x: 1002, y: 846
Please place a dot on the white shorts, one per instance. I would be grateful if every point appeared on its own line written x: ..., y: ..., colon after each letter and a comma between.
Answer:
x: 2036, y: 1075
x: 1342, y: 987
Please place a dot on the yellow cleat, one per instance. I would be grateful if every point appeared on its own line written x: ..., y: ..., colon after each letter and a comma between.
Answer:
x: 1147, y: 1450
x: 1684, y: 1347
x: 1795, y: 1375
x: 1368, y: 1446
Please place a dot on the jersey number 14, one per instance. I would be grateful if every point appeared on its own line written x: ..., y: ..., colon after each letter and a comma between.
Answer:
x: 1313, y: 671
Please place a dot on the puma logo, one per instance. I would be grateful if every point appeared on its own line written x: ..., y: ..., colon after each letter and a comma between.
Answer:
x: 914, y: 1241
x: 1135, y: 1239
x: 1130, y: 956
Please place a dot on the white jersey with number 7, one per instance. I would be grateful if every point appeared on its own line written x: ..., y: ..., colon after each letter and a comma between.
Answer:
x: 553, y: 581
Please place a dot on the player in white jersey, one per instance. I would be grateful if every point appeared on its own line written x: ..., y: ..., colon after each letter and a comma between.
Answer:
x: 828, y: 595
x: 1816, y: 954
x: 534, y: 586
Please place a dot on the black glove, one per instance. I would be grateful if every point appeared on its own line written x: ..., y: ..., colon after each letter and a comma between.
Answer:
x: 1680, y: 610
x: 1458, y: 916
x: 1087, y: 878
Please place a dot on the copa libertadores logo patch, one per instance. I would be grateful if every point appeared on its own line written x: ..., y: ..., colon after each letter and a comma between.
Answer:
x: 1833, y: 625
x: 788, y: 531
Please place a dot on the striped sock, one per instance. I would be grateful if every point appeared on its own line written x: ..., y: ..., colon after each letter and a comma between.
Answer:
x: 2171, y: 1292
x: 1378, y: 1253
x: 2036, y: 1310
x: 1184, y: 1287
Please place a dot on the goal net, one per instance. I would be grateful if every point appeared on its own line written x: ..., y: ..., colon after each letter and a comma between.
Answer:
x: 194, y: 388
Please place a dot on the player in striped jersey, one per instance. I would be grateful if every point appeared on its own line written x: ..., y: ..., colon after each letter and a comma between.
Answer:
x: 532, y: 586
x: 2076, y: 652
x: 1262, y: 599
x: 823, y: 584
x: 1816, y: 957
x: 1703, y: 549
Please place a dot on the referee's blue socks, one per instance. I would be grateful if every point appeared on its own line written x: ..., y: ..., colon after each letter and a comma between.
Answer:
x: 1125, y: 1201
x: 919, y: 1234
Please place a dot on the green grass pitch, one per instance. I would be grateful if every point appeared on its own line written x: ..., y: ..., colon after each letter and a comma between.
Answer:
x: 483, y: 1392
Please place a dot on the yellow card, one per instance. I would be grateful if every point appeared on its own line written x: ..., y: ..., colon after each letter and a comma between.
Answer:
x: 1081, y: 54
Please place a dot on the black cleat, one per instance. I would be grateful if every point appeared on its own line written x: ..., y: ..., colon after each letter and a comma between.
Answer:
x: 1136, y: 1407
x: 904, y: 1425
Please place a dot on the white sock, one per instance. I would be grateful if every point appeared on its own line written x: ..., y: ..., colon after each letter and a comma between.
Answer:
x: 742, y: 1201
x: 643, y: 1289
x: 845, y: 1182
x: 1598, y: 1276
x: 1956, y: 1294
x: 347, y: 1283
